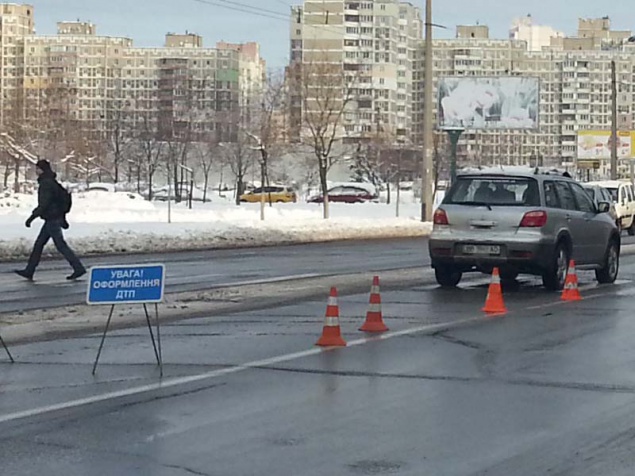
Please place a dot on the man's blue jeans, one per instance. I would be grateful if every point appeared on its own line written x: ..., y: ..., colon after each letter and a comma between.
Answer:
x: 52, y: 229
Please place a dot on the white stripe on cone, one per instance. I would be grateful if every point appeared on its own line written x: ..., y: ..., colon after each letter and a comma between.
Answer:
x: 374, y: 308
x: 332, y: 322
x: 332, y: 301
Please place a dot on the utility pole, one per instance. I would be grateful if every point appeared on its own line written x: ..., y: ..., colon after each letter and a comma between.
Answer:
x: 614, y: 138
x: 426, y: 175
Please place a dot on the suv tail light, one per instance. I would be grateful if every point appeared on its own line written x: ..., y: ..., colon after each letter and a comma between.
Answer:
x: 536, y: 219
x: 440, y: 217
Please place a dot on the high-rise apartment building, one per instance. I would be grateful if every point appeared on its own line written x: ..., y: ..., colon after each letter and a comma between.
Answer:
x: 16, y: 22
x: 374, y: 42
x: 93, y: 81
x: 537, y: 37
x: 381, y: 42
x: 575, y: 89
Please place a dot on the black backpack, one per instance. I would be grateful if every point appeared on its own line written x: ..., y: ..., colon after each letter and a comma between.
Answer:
x: 65, y: 199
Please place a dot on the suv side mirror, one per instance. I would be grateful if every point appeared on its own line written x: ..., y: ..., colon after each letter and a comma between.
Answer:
x: 604, y: 207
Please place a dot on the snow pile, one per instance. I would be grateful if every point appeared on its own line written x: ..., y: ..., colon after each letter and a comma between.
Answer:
x: 11, y: 201
x: 103, y: 222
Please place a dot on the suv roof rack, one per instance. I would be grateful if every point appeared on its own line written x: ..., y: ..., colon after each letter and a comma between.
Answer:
x: 551, y: 171
x: 518, y: 169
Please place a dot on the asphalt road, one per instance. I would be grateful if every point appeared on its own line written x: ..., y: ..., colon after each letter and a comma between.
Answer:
x: 548, y: 388
x: 194, y: 271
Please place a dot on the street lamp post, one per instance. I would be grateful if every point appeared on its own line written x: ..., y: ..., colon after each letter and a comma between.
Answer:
x: 426, y: 175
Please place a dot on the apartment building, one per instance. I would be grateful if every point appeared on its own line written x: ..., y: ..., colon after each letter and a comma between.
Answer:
x: 575, y: 91
x: 381, y: 41
x: 375, y: 44
x: 16, y: 22
x: 93, y: 81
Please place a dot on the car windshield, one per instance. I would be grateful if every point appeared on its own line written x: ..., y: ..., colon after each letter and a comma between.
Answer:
x: 614, y: 193
x: 494, y: 191
x: 591, y: 192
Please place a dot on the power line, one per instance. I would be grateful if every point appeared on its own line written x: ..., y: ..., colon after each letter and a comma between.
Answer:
x: 263, y: 12
x: 244, y: 8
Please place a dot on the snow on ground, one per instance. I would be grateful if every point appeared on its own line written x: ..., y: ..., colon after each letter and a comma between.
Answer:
x: 106, y: 222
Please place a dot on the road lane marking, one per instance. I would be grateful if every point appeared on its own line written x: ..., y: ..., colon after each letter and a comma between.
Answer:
x: 176, y: 382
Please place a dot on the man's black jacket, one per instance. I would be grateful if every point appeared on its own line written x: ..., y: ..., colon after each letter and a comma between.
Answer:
x: 48, y: 198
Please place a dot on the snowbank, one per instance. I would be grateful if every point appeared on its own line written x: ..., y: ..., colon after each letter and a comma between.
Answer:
x: 103, y: 222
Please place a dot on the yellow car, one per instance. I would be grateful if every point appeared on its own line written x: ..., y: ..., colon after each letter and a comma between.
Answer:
x: 274, y: 194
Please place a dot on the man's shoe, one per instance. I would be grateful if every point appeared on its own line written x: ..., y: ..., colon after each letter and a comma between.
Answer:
x: 76, y: 275
x: 24, y: 274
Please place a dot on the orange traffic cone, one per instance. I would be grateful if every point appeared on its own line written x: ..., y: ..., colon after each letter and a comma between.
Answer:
x: 374, y: 321
x: 331, y: 334
x: 571, y: 291
x: 494, y: 303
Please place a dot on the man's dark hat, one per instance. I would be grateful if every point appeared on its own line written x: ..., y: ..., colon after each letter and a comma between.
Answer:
x: 44, y: 165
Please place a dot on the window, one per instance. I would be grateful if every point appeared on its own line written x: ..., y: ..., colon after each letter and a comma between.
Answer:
x: 494, y: 191
x: 551, y: 197
x: 585, y: 204
x: 566, y: 197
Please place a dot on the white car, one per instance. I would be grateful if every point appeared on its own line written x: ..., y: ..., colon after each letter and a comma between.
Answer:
x: 623, y: 196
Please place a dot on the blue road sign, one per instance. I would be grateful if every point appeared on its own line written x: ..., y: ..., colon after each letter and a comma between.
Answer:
x: 130, y: 284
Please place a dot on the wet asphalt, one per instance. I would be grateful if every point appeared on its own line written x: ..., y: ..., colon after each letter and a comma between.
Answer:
x: 193, y: 271
x: 548, y: 388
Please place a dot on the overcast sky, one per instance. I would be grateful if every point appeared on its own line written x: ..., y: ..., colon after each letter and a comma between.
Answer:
x: 147, y: 21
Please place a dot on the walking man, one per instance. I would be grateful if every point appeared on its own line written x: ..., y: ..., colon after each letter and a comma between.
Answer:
x: 52, y: 209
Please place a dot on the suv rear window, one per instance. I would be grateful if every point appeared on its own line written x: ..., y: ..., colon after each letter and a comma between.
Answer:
x: 501, y: 191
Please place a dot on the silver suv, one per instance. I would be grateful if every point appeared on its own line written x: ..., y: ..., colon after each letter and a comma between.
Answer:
x: 522, y: 220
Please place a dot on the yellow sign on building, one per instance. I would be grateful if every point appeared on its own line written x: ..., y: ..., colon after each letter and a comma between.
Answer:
x: 594, y: 145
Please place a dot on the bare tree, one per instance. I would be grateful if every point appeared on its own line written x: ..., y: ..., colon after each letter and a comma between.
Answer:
x: 204, y: 152
x: 119, y: 138
x: 326, y: 93
x: 238, y: 156
x: 151, y: 150
x: 259, y: 124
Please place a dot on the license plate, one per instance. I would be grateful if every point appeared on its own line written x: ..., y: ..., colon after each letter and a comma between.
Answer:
x: 481, y: 249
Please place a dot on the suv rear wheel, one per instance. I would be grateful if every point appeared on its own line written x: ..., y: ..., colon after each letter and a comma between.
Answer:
x: 608, y: 273
x: 554, y: 277
x: 447, y: 277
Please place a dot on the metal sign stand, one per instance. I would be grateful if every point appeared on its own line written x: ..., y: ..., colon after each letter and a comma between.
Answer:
x: 7, y: 350
x: 156, y: 345
x: 130, y: 285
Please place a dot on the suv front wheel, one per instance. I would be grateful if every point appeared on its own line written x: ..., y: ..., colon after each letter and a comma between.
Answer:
x: 608, y: 273
x: 554, y: 277
x: 447, y: 277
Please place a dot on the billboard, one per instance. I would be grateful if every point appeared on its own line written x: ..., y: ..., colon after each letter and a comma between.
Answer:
x: 502, y: 102
x: 597, y: 145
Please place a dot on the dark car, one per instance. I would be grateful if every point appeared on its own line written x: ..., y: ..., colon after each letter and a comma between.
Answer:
x: 346, y: 194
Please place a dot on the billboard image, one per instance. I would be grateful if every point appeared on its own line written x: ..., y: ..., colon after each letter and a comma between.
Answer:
x: 504, y: 102
x: 597, y: 145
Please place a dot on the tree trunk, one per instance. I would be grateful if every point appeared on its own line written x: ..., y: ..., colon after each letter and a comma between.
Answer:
x: 138, y: 178
x: 150, y: 176
x: 239, y: 188
x: 7, y: 174
x: 16, y: 176
x: 177, y: 185
x: 388, y: 191
x: 206, y: 183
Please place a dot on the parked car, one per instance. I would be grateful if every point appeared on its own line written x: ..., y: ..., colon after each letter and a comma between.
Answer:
x: 346, y: 194
x: 275, y: 194
x: 522, y: 221
x: 624, y: 199
x: 601, y: 194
